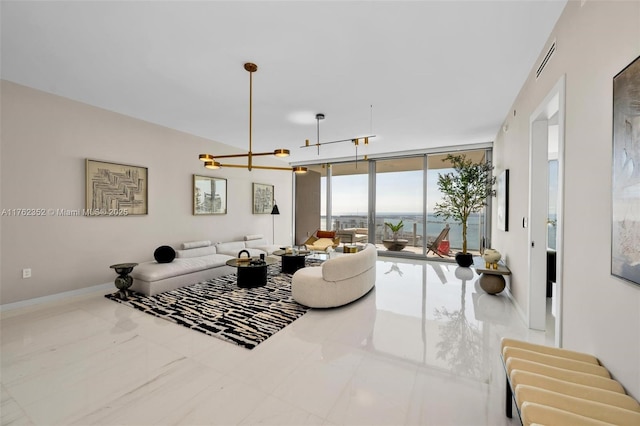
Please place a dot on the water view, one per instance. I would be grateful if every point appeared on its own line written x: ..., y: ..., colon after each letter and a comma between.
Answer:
x: 413, y: 228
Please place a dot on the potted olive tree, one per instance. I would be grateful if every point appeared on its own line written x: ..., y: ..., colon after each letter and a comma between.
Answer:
x: 464, y: 191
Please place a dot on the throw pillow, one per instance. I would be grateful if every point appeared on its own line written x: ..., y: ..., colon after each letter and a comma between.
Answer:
x: 164, y: 254
x: 196, y: 244
x: 196, y: 252
x: 326, y: 234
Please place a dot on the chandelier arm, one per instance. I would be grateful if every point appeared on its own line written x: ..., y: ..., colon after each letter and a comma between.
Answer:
x: 230, y: 156
x: 245, y: 166
x: 341, y: 140
x: 210, y: 159
x: 256, y: 154
x: 273, y: 168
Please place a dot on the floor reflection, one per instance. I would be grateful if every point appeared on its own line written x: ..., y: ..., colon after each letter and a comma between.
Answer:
x: 423, y: 343
x: 435, y: 315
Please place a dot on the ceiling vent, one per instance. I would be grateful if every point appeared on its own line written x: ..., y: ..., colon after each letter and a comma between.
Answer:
x: 546, y: 59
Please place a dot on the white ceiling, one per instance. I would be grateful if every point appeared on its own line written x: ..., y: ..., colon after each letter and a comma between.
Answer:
x: 419, y: 74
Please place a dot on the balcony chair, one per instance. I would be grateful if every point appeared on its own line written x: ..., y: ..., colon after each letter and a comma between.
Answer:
x: 321, y: 240
x: 353, y: 235
x: 433, y: 246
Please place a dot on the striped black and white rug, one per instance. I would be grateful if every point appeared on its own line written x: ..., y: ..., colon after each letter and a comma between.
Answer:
x: 219, y: 308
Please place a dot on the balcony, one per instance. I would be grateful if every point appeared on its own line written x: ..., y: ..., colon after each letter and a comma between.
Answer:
x: 352, y: 230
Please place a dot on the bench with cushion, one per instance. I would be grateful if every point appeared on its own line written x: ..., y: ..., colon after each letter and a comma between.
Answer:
x: 554, y: 386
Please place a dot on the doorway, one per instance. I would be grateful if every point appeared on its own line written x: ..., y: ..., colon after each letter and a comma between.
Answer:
x: 546, y: 154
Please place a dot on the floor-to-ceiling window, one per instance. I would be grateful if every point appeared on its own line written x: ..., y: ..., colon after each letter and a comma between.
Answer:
x: 436, y: 166
x: 404, y: 189
x: 400, y: 197
x: 348, y: 195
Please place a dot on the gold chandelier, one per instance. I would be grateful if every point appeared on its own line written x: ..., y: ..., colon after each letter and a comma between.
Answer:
x: 210, y: 160
x: 354, y: 141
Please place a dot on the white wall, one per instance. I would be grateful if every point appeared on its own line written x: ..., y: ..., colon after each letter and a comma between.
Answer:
x: 601, y: 313
x: 45, y: 141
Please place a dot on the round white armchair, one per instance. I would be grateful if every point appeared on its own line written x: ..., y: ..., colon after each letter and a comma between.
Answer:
x: 337, y: 281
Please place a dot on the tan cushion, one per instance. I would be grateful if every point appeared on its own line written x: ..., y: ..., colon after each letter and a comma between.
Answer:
x: 322, y: 243
x: 564, y: 374
x: 520, y: 377
x: 580, y: 406
x: 565, y: 353
x: 538, y: 414
x: 554, y: 361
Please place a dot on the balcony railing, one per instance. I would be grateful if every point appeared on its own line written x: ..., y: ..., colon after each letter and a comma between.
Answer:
x: 413, y: 229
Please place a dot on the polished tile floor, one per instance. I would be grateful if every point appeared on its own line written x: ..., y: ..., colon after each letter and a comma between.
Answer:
x: 420, y: 349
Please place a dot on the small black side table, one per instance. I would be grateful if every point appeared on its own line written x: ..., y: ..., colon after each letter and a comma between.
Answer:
x: 291, y: 262
x: 124, y: 280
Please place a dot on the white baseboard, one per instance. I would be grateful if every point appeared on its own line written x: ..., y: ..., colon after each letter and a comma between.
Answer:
x: 515, y: 304
x: 56, y: 297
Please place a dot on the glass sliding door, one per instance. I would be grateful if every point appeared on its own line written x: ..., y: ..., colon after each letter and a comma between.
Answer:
x: 437, y: 165
x: 390, y: 190
x: 349, y: 196
x: 399, y: 197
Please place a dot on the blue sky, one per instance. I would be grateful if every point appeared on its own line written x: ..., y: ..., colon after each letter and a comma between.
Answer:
x: 397, y: 192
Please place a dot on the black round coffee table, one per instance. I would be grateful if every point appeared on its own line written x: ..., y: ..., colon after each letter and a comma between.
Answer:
x: 250, y: 274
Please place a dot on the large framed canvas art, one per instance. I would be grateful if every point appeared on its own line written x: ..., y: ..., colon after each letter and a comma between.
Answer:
x: 209, y: 195
x: 114, y: 189
x: 502, y: 197
x: 262, y: 198
x: 625, y: 227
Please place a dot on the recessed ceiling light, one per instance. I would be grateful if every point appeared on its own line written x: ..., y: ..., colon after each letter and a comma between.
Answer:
x: 302, y: 117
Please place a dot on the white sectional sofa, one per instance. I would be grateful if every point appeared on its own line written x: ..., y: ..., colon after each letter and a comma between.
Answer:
x: 195, y: 262
x: 254, y: 244
x: 338, y: 281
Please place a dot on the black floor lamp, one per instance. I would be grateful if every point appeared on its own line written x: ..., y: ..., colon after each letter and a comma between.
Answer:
x: 274, y: 212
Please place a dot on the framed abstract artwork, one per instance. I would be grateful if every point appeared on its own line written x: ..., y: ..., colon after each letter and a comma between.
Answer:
x: 209, y: 195
x: 262, y: 198
x: 502, y: 199
x: 114, y: 189
x: 625, y: 191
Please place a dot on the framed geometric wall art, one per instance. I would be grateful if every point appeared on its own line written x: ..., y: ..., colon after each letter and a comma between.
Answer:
x: 114, y: 189
x: 262, y: 198
x: 209, y: 195
x: 625, y: 191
